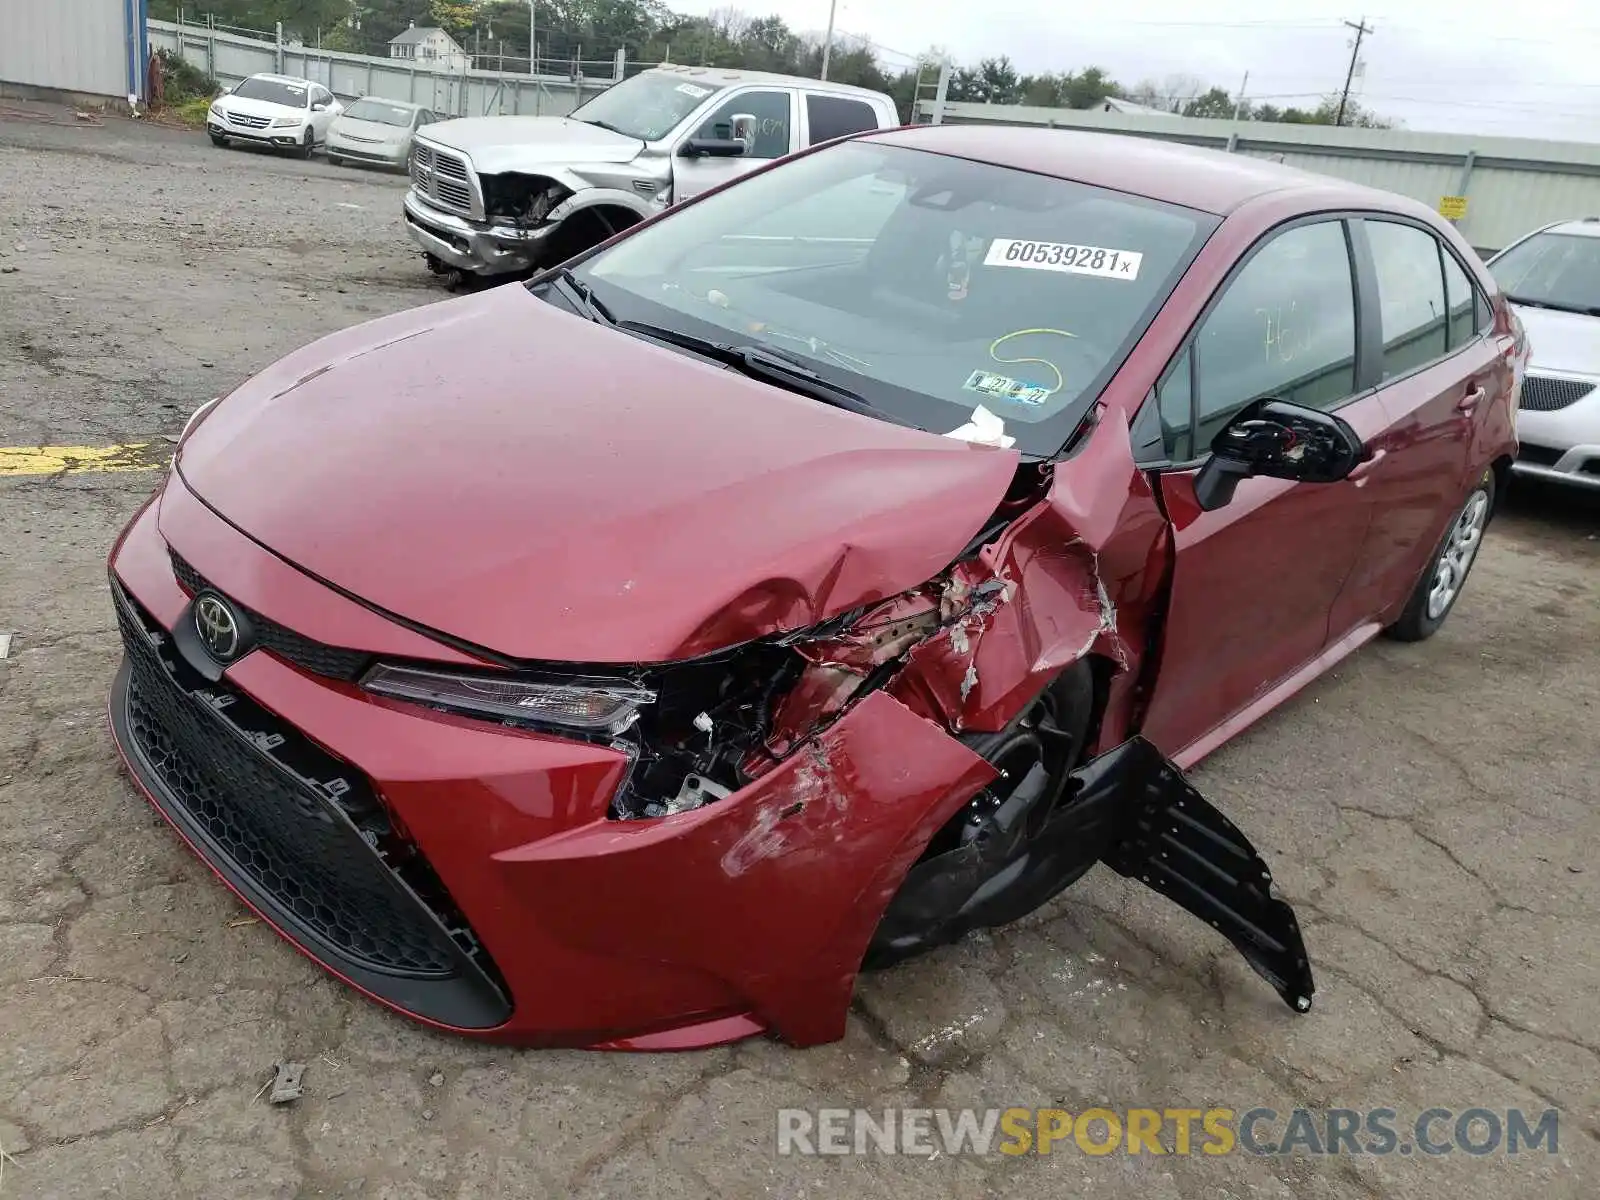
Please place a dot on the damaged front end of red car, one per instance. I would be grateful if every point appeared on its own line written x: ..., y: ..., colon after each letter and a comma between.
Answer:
x: 922, y: 766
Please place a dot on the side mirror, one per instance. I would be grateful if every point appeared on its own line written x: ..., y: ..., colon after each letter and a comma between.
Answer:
x: 319, y: 108
x: 744, y: 130
x: 699, y: 147
x: 1279, y: 440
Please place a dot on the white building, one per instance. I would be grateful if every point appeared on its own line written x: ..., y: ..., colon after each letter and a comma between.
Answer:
x: 430, y: 47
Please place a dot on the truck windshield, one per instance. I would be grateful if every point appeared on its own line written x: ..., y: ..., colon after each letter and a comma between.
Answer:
x: 927, y: 285
x: 648, y: 106
x: 1552, y: 270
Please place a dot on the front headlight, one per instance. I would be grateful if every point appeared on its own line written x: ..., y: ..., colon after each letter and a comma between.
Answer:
x: 596, y: 706
x: 216, y: 112
x: 287, y: 122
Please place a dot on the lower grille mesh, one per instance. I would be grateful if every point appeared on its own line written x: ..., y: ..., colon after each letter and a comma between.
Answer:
x: 1541, y: 393
x: 304, y: 826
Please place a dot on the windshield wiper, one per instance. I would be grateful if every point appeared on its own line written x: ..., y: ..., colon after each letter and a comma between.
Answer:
x: 772, y: 366
x: 588, y: 303
x: 1589, y: 310
x: 606, y: 125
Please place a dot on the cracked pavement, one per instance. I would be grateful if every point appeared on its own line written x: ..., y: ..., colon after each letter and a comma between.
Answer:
x: 1429, y: 810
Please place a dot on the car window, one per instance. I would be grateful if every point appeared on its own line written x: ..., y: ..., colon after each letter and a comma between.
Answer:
x: 1285, y: 327
x: 321, y: 96
x: 1459, y: 298
x: 835, y: 116
x: 1410, y: 295
x: 771, y: 111
x: 1174, y: 399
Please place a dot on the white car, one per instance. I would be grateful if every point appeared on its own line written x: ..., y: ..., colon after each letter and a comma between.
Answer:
x: 1552, y: 278
x: 377, y: 131
x: 274, y: 110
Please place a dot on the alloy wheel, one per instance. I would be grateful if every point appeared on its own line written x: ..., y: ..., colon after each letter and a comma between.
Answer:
x: 1460, y: 548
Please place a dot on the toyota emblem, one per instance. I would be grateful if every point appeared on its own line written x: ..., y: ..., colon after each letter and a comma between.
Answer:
x: 217, y: 626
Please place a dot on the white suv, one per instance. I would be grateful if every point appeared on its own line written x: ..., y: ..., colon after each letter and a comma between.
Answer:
x: 1552, y: 278
x: 274, y: 110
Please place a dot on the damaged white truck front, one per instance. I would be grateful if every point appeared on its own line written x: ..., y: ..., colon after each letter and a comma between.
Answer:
x: 508, y: 194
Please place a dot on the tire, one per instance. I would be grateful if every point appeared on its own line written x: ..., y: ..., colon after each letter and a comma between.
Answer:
x: 309, y: 146
x: 1446, y: 574
x: 218, y: 140
x: 910, y: 925
x: 335, y: 161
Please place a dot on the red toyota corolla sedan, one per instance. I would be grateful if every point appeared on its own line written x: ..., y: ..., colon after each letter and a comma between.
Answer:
x: 838, y: 563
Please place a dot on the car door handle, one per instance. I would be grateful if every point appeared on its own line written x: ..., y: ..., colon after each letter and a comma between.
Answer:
x: 1471, y: 400
x: 1362, y: 469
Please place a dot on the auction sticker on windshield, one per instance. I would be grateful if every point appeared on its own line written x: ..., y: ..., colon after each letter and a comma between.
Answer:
x: 1061, y: 256
x: 690, y: 89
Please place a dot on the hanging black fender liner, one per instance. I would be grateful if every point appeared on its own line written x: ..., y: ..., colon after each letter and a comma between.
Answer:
x: 1133, y: 809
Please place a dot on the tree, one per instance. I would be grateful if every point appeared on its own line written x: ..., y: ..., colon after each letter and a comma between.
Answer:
x: 1215, y: 103
x: 1088, y: 87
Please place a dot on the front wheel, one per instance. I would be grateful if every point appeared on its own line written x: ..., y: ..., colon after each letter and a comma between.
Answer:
x: 994, y: 862
x: 309, y: 146
x: 1440, y: 586
x: 218, y: 140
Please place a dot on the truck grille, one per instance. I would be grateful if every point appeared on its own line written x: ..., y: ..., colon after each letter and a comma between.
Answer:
x: 1541, y: 393
x: 443, y: 178
x: 300, y: 832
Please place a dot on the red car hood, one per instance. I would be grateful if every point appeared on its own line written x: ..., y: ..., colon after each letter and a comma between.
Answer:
x: 500, y: 470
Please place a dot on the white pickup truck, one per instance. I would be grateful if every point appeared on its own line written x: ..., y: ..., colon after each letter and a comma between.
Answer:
x: 497, y: 195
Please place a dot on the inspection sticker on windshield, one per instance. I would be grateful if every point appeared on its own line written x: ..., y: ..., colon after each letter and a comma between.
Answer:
x: 1059, y: 256
x: 1003, y: 387
x: 690, y: 89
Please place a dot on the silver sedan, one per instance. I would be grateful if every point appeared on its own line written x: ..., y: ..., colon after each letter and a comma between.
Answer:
x: 1552, y: 278
x: 377, y: 131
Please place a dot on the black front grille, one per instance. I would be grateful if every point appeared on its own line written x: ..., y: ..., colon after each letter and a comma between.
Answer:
x: 1540, y: 393
x: 331, y: 662
x: 299, y: 829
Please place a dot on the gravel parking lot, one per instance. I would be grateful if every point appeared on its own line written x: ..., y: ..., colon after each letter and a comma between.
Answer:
x: 1430, y: 810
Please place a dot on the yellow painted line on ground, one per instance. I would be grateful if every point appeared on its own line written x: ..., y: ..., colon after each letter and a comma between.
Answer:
x: 53, y: 460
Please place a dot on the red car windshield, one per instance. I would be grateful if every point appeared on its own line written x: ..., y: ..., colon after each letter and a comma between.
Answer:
x: 928, y: 285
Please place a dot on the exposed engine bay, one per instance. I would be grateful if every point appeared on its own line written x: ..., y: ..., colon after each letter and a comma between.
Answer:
x: 518, y: 199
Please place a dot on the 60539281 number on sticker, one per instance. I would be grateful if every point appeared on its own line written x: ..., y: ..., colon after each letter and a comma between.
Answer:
x: 1062, y: 256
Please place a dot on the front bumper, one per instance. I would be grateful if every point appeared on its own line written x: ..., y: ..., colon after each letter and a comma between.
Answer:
x: 1558, y: 428
x: 476, y: 246
x: 1578, y: 466
x: 378, y: 154
x: 565, y: 927
x: 283, y: 139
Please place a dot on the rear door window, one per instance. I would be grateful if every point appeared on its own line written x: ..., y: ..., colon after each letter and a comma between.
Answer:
x: 829, y: 117
x: 1411, y: 295
x: 1460, y: 298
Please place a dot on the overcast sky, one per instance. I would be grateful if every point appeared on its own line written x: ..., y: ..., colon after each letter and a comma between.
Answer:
x: 1434, y: 65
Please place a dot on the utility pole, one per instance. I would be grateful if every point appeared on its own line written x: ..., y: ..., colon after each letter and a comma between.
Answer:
x: 1238, y: 105
x: 827, y: 42
x: 1362, y: 29
x: 533, y: 46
